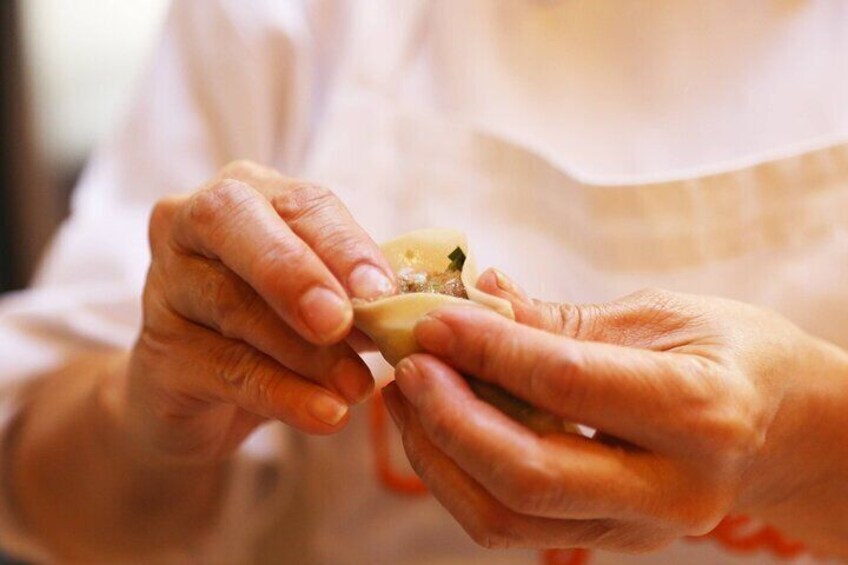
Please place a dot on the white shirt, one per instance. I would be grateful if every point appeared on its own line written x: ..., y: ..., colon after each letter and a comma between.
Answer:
x: 590, y: 148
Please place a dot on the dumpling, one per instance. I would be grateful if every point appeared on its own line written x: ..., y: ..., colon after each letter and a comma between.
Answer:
x: 435, y: 268
x: 421, y: 261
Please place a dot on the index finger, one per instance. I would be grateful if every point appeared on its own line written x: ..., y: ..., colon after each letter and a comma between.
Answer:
x: 560, y: 476
x: 236, y: 222
x: 231, y: 222
x: 629, y: 393
x: 324, y: 223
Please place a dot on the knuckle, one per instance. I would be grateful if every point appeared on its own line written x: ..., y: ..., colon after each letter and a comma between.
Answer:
x: 233, y: 363
x: 569, y: 363
x: 222, y: 198
x: 570, y: 319
x: 289, y: 259
x: 242, y: 368
x: 733, y: 435
x: 258, y: 386
x: 494, y: 349
x: 251, y: 314
x: 226, y: 301
x: 567, y: 319
x: 150, y: 349
x: 694, y: 390
x: 233, y: 307
x: 557, y: 375
x: 696, y: 393
x: 304, y: 200
x: 339, y: 242
x: 732, y: 422
x: 530, y: 488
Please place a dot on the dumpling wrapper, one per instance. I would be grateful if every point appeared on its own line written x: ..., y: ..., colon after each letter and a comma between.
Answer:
x: 390, y: 321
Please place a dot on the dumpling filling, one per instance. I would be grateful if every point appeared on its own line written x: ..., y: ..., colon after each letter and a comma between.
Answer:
x: 448, y: 282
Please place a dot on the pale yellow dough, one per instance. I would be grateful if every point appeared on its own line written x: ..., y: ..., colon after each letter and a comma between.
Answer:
x: 389, y: 321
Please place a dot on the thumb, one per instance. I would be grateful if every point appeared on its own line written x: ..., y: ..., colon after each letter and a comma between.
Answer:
x: 572, y: 320
x: 648, y: 318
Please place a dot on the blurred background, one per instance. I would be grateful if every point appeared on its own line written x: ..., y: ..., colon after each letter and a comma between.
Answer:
x: 67, y: 72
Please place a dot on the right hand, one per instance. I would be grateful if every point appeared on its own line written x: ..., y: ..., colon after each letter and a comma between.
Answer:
x: 246, y: 310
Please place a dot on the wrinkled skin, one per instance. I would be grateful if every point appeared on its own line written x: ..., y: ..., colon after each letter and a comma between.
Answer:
x: 703, y: 407
x: 245, y: 311
x: 125, y: 456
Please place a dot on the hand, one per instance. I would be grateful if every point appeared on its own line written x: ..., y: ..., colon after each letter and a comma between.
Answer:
x: 245, y: 312
x: 703, y: 407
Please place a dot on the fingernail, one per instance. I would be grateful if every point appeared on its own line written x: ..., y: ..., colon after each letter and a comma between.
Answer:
x: 408, y: 379
x: 368, y: 282
x: 392, y: 402
x: 352, y: 379
x: 325, y: 313
x: 434, y: 335
x: 326, y: 408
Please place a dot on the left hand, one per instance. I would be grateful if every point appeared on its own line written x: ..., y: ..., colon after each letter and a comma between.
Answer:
x: 703, y: 407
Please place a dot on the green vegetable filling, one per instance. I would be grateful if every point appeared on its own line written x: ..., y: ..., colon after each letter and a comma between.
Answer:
x: 448, y: 282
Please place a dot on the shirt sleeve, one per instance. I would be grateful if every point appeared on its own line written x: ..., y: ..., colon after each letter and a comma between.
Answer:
x: 230, y: 79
